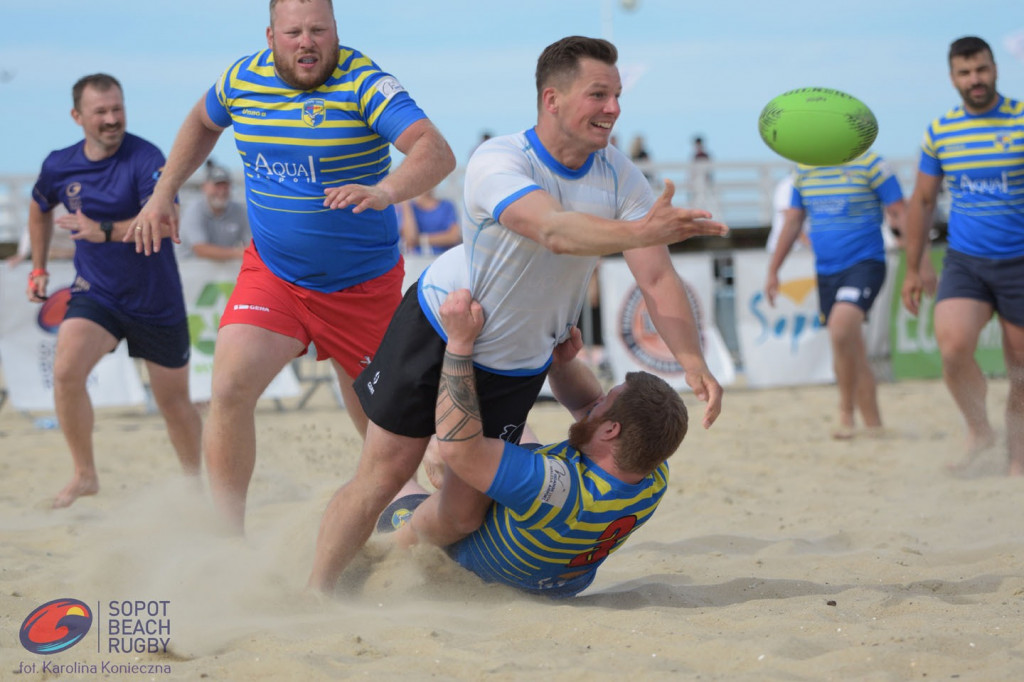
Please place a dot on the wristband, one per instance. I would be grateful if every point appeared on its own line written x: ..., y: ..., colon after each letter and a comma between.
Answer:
x: 38, y: 272
x: 108, y: 229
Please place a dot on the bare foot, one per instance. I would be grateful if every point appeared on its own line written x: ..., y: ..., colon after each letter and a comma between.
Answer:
x: 843, y: 433
x: 987, y: 461
x: 80, y: 486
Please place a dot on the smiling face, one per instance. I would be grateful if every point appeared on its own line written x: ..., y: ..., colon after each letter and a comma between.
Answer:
x: 304, y: 38
x: 582, y: 111
x: 974, y: 77
x: 101, y: 115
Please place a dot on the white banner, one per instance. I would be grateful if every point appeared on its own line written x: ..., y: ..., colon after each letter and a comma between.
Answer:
x: 787, y: 344
x: 28, y: 338
x: 632, y: 343
x: 207, y: 286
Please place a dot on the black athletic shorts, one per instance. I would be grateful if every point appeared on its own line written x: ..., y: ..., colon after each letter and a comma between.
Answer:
x: 998, y: 282
x: 398, y: 389
x: 166, y: 345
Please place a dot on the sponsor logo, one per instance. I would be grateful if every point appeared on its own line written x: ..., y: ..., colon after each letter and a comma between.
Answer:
x: 1000, y: 185
x: 388, y: 86
x: 786, y: 320
x: 636, y: 329
x: 285, y: 170
x: 72, y: 196
x: 314, y: 112
x: 254, y: 112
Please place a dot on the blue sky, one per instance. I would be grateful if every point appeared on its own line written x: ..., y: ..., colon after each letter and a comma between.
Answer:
x: 706, y: 67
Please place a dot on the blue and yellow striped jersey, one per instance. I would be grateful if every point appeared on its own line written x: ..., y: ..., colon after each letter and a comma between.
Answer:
x: 845, y: 206
x: 557, y: 516
x: 982, y: 159
x: 296, y: 143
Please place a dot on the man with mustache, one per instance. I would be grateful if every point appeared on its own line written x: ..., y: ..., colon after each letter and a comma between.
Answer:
x: 978, y: 148
x: 314, y: 124
x: 103, y: 181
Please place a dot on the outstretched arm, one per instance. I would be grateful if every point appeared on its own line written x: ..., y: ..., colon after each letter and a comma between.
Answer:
x: 540, y: 217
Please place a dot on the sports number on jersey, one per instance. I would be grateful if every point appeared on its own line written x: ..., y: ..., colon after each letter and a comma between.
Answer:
x: 616, y: 531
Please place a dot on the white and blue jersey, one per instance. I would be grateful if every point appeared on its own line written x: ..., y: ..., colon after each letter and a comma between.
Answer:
x: 556, y: 518
x: 845, y: 205
x: 982, y: 159
x: 531, y: 297
x: 297, y: 143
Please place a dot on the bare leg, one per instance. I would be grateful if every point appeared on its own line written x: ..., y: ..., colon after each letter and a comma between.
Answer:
x: 352, y: 404
x: 80, y: 345
x: 388, y: 462
x: 184, y: 427
x: 1013, y: 352
x: 854, y: 377
x: 245, y: 361
x: 958, y: 323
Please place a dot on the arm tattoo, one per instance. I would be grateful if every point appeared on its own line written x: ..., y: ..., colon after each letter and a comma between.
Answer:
x: 458, y: 408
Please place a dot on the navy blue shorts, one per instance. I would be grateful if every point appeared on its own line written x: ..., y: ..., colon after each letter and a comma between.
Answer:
x: 998, y: 282
x: 166, y: 345
x: 398, y: 389
x: 858, y: 284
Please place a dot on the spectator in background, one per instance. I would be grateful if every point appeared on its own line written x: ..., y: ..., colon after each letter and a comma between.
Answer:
x: 699, y: 153
x: 702, y: 189
x: 429, y: 225
x: 638, y: 155
x: 216, y: 227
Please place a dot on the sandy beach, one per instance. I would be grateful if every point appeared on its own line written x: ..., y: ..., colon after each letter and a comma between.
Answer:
x: 777, y: 554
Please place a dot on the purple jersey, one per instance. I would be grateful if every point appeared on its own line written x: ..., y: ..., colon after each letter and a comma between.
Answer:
x: 147, y: 288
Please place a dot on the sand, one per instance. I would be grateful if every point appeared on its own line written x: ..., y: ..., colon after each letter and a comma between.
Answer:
x: 777, y: 554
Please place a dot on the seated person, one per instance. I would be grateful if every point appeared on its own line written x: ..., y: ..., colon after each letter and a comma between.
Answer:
x: 216, y: 227
x: 429, y: 225
x: 571, y: 504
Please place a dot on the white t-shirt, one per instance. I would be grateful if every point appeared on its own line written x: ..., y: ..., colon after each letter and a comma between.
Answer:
x: 531, y: 296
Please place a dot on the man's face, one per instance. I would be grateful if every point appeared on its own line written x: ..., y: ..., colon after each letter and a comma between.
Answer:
x: 304, y: 38
x: 974, y: 78
x: 217, y: 194
x: 101, y: 115
x: 582, y: 431
x: 589, y: 106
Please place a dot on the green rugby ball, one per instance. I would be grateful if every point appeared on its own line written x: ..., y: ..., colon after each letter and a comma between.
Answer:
x: 817, y: 126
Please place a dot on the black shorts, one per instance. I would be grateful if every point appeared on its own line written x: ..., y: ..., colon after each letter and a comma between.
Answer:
x: 398, y: 389
x: 858, y: 284
x: 999, y: 283
x: 166, y: 345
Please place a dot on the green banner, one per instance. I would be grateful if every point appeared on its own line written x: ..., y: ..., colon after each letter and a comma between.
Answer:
x: 915, y: 354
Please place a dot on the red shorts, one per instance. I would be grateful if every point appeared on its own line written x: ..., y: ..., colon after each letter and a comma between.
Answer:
x: 345, y: 325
